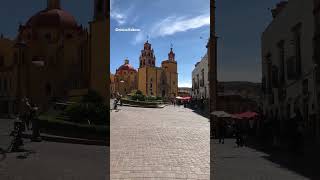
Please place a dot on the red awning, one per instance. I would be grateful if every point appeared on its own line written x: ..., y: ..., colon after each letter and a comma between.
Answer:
x: 246, y: 115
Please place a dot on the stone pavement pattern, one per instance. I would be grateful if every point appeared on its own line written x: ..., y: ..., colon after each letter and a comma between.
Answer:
x: 232, y: 163
x: 52, y: 161
x: 167, y: 143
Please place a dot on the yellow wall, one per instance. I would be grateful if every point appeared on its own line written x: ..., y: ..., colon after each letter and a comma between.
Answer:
x: 142, y: 79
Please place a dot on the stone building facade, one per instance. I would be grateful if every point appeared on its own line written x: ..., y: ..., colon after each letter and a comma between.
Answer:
x: 51, y: 58
x: 289, y: 69
x: 200, y: 79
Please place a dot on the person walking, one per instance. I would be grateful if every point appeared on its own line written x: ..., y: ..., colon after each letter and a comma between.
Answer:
x: 222, y: 131
x: 239, y: 140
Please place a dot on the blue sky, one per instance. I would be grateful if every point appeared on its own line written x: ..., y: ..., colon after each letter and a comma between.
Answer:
x: 239, y: 27
x: 179, y: 22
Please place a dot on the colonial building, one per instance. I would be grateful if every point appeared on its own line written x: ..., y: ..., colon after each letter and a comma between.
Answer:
x: 184, y: 92
x: 53, y: 58
x: 200, y: 79
x: 289, y: 70
x: 149, y: 79
x: 157, y: 81
x: 125, y: 79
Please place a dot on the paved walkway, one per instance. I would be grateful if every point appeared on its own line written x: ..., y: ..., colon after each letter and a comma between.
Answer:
x: 51, y: 160
x: 167, y: 143
x: 232, y: 163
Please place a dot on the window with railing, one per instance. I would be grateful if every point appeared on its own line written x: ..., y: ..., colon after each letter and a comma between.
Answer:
x: 316, y: 50
x: 291, y: 68
x: 202, y: 78
x: 296, y: 30
x: 198, y: 80
x: 275, y: 78
x: 282, y: 61
x: 269, y: 73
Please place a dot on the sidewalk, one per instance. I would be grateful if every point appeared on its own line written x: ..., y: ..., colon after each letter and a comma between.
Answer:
x: 305, y: 163
x: 63, y: 139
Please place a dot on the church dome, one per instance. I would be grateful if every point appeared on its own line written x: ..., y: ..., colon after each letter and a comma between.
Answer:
x: 126, y: 66
x: 52, y: 18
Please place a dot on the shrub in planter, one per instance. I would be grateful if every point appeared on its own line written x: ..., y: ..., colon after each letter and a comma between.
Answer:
x: 151, y: 98
x: 90, y: 108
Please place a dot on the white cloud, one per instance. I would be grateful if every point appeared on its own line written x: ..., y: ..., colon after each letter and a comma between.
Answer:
x: 172, y: 25
x: 117, y: 14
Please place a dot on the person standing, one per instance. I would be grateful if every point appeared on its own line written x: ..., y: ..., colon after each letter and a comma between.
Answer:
x: 25, y: 114
x: 222, y: 131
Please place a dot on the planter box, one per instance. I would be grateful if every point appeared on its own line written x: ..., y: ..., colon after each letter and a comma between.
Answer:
x: 142, y: 103
x: 68, y: 129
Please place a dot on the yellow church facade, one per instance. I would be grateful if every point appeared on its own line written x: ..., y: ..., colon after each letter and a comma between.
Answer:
x: 151, y: 80
x: 53, y: 58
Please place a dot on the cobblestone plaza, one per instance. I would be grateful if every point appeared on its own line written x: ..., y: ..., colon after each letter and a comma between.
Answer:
x: 167, y: 143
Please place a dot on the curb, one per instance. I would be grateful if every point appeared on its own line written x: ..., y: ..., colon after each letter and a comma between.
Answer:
x: 70, y: 140
x: 160, y: 106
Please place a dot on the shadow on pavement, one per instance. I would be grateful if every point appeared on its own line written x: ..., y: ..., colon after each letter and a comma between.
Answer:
x: 60, y: 139
x: 306, y: 164
x: 200, y: 112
